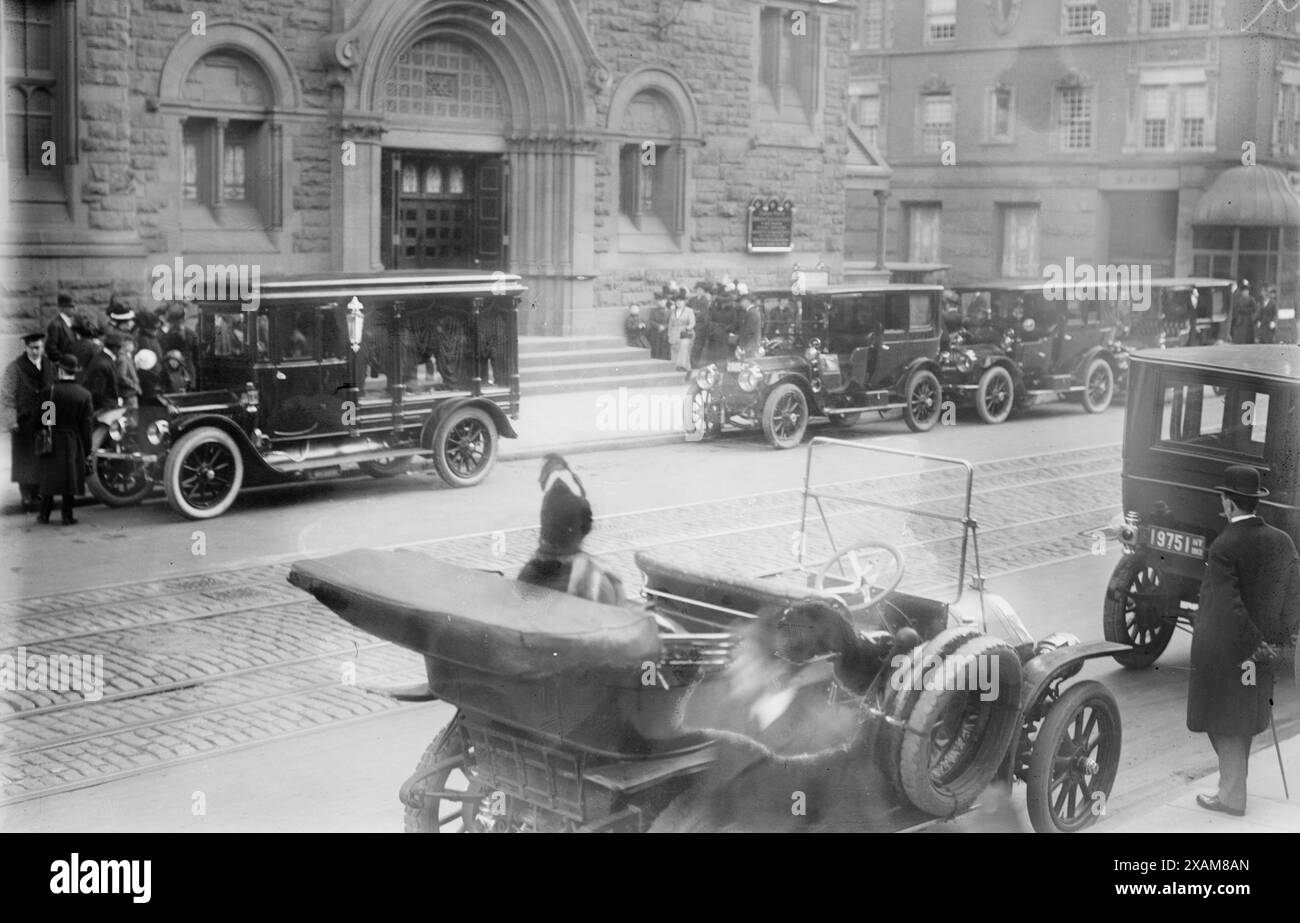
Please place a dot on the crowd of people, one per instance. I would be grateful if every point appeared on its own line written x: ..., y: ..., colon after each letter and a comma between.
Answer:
x: 1254, y: 318
x: 714, y: 323
x: 78, y: 365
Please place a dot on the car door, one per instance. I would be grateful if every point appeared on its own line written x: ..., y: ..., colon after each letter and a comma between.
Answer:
x: 308, y: 348
x: 911, y: 332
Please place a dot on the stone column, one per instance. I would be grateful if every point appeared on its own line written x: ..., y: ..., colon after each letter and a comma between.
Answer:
x: 881, y: 197
x: 358, y: 220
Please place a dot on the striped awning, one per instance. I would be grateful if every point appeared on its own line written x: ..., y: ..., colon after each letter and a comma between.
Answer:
x: 1257, y: 196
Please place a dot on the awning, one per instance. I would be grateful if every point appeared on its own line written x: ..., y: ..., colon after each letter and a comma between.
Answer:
x: 1257, y: 196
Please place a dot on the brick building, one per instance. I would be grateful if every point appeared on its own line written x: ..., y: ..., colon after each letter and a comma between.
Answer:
x: 359, y: 134
x: 1112, y: 131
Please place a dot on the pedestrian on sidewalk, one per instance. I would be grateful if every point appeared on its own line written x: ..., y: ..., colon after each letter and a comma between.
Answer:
x: 635, y: 327
x: 1241, y: 325
x: 63, y: 471
x: 100, y: 374
x: 1250, y: 603
x: 59, y: 334
x: 25, y: 379
x: 681, y: 331
x: 659, y: 347
x: 1266, y: 317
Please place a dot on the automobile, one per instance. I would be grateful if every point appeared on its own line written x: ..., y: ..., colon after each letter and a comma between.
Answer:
x: 918, y: 273
x: 1010, y: 346
x: 575, y: 716
x: 1191, y: 413
x: 1182, y: 311
x: 330, y: 371
x: 847, y: 351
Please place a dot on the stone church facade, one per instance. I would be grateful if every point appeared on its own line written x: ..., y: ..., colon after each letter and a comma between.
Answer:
x: 598, y: 148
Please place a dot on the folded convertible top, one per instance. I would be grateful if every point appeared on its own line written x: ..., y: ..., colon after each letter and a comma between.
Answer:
x: 476, y: 619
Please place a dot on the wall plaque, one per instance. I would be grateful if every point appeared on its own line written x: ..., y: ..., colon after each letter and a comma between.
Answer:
x: 771, y: 226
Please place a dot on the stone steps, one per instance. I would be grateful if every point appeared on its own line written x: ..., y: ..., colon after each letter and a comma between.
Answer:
x: 559, y: 365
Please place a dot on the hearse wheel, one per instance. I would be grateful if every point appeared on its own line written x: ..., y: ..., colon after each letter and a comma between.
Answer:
x: 1074, y: 760
x: 465, y: 446
x: 1098, y: 386
x: 785, y: 416
x: 1138, y: 611
x: 701, y: 416
x: 203, y: 473
x: 955, y: 740
x: 924, y: 401
x: 386, y: 467
x: 995, y: 396
x: 115, y: 481
x: 441, y: 797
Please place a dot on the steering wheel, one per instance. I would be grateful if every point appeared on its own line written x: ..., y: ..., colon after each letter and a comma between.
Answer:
x: 868, y: 561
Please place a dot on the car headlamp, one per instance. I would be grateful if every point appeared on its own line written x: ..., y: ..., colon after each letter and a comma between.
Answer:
x: 812, y: 354
x: 117, y: 429
x: 964, y: 359
x: 156, y: 432
x: 751, y: 376
x: 708, y: 377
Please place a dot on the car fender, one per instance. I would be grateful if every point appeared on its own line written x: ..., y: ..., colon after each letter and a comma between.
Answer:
x: 179, y: 426
x: 1081, y: 364
x: 109, y: 416
x: 1038, y: 675
x: 795, y: 378
x: 499, y: 418
x: 929, y: 363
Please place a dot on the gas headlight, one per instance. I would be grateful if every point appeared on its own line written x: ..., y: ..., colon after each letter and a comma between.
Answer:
x: 751, y: 376
x: 1128, y: 533
x: 156, y: 432
x: 117, y: 429
x: 708, y: 377
x: 964, y: 359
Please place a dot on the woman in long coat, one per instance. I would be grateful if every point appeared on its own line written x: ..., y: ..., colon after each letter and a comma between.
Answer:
x: 64, y: 471
x: 681, y: 332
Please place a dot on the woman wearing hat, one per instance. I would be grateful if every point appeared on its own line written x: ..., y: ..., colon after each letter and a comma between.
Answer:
x: 659, y: 317
x: 25, y: 378
x: 681, y: 331
x: 63, y: 471
x: 1250, y: 601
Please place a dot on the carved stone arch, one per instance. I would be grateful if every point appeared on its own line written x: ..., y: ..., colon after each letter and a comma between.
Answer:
x: 226, y: 35
x: 663, y: 83
x: 543, y: 59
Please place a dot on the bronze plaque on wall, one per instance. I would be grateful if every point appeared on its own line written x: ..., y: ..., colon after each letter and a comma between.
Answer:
x: 771, y: 226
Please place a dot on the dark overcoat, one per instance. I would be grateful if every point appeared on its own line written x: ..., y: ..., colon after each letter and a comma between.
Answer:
x: 58, y: 339
x: 100, y: 379
x: 64, y: 471
x: 1250, y: 593
x: 25, y: 382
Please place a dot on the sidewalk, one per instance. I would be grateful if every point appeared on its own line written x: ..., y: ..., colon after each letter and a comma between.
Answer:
x: 583, y: 421
x: 1267, y: 808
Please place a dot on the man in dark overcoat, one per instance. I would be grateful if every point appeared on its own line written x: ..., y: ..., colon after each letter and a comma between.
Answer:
x: 64, y: 471
x: 25, y: 379
x: 749, y: 328
x: 59, y: 334
x: 1250, y: 600
x: 1241, y: 325
x: 100, y: 374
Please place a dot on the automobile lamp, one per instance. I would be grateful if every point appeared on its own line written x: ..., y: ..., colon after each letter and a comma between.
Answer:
x: 708, y: 377
x: 751, y: 376
x: 250, y: 398
x: 1128, y: 532
x: 117, y: 429
x: 964, y: 360
x: 356, y: 323
x: 156, y: 432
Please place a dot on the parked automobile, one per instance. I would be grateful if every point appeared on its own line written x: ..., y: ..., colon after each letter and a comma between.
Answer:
x: 578, y: 716
x: 1191, y: 413
x: 1182, y: 312
x: 331, y: 370
x: 1011, y: 346
x: 848, y: 351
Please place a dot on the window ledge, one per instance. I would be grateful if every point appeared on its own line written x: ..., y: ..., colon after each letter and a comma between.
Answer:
x: 655, y: 238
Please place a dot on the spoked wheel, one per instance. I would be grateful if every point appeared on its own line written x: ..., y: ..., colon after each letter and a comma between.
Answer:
x: 115, y: 481
x: 1075, y: 760
x: 442, y: 796
x: 1139, y: 611
x: 924, y: 401
x: 465, y: 446
x: 1099, y: 386
x: 995, y: 395
x: 203, y: 473
x: 702, y: 417
x: 785, y: 416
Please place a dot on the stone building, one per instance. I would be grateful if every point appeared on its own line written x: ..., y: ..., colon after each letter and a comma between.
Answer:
x: 597, y: 147
x: 1018, y: 134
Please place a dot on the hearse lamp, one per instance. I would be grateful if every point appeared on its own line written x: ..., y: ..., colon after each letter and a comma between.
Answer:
x: 751, y: 376
x: 356, y: 323
x: 156, y: 432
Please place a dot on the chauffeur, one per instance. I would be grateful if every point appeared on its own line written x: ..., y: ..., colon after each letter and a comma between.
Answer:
x: 1250, y: 600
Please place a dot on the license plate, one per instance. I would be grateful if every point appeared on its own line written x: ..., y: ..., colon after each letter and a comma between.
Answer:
x: 1185, y: 543
x: 735, y: 366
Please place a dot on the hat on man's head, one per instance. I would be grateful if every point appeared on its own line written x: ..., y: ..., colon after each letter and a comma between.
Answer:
x: 1242, y: 481
x: 566, y: 514
x: 147, y: 320
x: 113, y: 340
x: 65, y: 301
x: 33, y: 335
x: 176, y: 311
x: 120, y: 310
x: 68, y: 363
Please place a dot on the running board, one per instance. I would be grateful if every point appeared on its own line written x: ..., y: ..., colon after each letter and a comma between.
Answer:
x: 334, y: 461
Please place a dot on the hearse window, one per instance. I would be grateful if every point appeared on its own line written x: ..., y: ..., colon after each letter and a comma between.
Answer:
x: 297, y: 333
x: 334, y: 333
x: 1220, y: 418
x: 227, y: 335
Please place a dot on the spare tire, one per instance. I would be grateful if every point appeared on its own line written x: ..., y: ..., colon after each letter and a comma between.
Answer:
x: 885, y: 738
x: 957, y: 732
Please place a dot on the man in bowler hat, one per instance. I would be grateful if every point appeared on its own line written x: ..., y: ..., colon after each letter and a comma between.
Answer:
x: 559, y: 562
x: 64, y: 471
x: 25, y: 380
x: 1250, y: 602
x: 59, y: 334
x: 100, y: 374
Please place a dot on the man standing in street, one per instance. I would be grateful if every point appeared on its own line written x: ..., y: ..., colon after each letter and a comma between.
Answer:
x: 26, y: 379
x: 1249, y: 604
x: 58, y: 335
x: 1242, y: 324
x: 64, y: 470
x: 1266, y: 317
x: 100, y: 375
x: 749, y: 328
